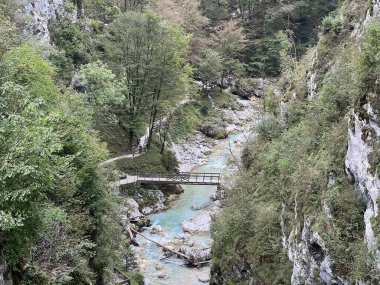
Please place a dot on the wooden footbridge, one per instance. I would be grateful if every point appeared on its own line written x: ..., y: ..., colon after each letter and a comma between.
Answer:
x: 184, y: 178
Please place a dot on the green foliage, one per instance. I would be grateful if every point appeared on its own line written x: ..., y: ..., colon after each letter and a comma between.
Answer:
x: 24, y: 67
x: 186, y: 119
x: 296, y: 173
x: 215, y: 10
x: 211, y: 68
x: 298, y: 18
x: 269, y: 128
x: 151, y: 54
x: 69, y: 7
x: 370, y: 59
x: 152, y: 162
x: 331, y: 23
x: 266, y: 57
x: 254, y: 244
x: 69, y: 37
x: 56, y: 212
x: 8, y: 35
x: 102, y: 88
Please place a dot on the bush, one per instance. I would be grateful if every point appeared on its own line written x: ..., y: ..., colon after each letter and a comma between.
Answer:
x: 331, y: 24
x: 269, y: 128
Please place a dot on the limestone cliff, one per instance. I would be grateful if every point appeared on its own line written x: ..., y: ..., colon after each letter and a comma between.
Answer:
x: 329, y: 192
x: 42, y: 12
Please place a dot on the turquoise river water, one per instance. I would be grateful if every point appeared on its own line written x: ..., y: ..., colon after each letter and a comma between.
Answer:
x: 151, y: 263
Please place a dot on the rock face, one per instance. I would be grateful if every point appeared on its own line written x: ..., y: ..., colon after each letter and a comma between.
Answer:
x: 41, y: 13
x: 311, y: 263
x: 361, y: 135
x: 159, y: 199
x: 133, y: 209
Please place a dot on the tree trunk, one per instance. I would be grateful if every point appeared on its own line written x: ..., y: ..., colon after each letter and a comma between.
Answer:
x: 80, y: 8
x: 131, y: 137
x: 153, y: 120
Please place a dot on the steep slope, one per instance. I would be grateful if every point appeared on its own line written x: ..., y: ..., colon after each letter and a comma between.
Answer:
x: 306, y: 209
x: 41, y: 13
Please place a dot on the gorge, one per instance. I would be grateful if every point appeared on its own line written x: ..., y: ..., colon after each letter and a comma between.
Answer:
x: 280, y: 97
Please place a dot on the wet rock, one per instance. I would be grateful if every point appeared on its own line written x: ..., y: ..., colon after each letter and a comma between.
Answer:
x: 156, y: 230
x: 248, y: 88
x: 217, y: 196
x: 175, y: 242
x: 162, y: 275
x: 184, y: 237
x: 217, y: 204
x: 189, y: 243
x: 172, y: 198
x: 159, y: 267
x: 204, y: 278
x: 142, y: 222
x: 201, y: 223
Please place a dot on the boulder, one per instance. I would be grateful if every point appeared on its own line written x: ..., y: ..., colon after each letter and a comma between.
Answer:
x: 215, y: 131
x: 204, y: 278
x: 156, y: 230
x: 162, y: 275
x: 159, y: 267
x: 159, y: 200
x: 196, y: 254
x: 132, y: 209
x: 201, y: 223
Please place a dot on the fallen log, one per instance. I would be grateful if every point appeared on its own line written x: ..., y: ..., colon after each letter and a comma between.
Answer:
x: 132, y: 237
x: 164, y: 247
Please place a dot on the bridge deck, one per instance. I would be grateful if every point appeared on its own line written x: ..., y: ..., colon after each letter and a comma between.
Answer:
x: 174, y: 178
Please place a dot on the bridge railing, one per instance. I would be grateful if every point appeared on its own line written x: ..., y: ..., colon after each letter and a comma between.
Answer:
x: 186, y: 177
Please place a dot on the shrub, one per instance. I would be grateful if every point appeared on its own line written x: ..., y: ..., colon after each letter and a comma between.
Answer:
x: 331, y: 24
x: 269, y: 127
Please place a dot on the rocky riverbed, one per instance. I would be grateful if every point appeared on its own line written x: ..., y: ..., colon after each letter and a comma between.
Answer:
x: 185, y: 226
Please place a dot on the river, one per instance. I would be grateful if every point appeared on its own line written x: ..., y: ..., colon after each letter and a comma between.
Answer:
x: 171, y: 271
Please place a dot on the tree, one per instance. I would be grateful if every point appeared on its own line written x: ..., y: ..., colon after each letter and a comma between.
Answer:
x: 216, y: 10
x: 211, y: 68
x: 30, y: 167
x: 151, y: 55
x: 183, y: 13
x: 101, y: 88
x: 187, y: 15
x: 230, y: 42
x: 48, y: 159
